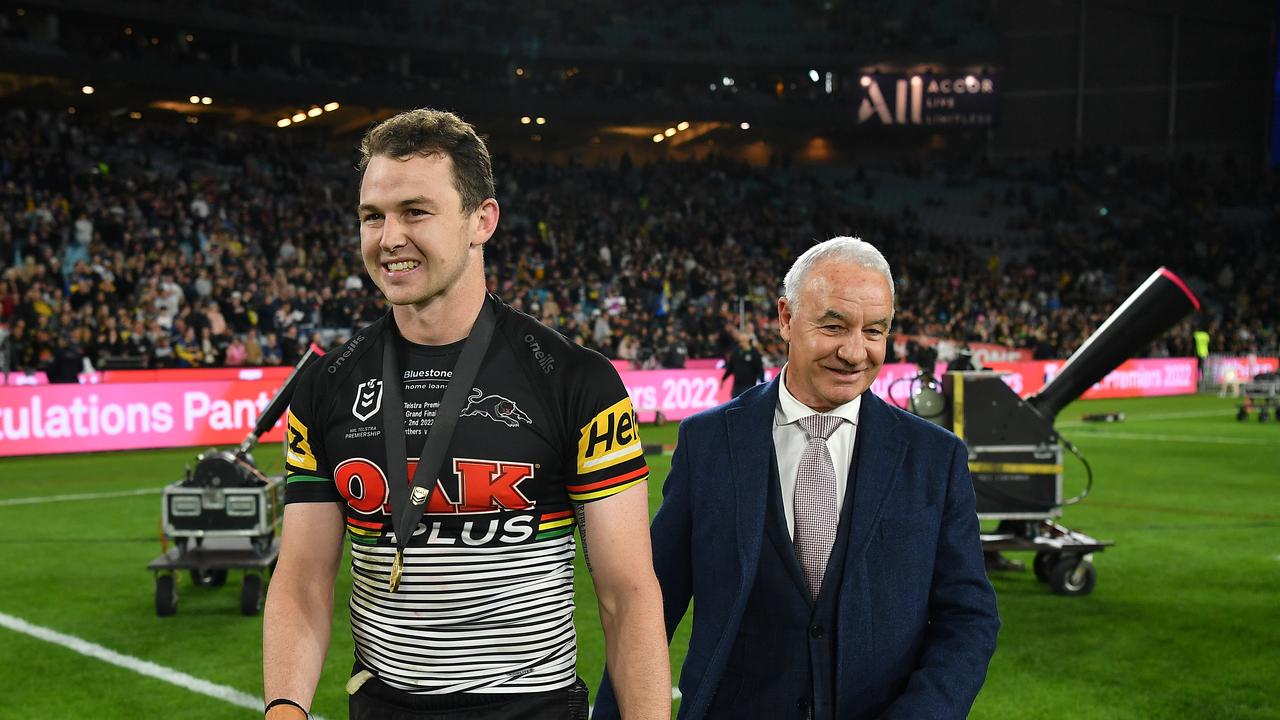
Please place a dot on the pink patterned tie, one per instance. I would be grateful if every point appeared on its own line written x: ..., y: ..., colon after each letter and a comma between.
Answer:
x: 815, y: 500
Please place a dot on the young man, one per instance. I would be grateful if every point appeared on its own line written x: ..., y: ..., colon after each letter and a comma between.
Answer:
x: 480, y: 623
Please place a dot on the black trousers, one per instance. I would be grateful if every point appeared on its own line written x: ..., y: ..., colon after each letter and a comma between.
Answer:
x: 376, y: 701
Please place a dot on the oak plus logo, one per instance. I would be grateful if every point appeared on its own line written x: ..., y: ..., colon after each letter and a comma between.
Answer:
x: 368, y: 399
x: 496, y: 408
x: 476, y: 485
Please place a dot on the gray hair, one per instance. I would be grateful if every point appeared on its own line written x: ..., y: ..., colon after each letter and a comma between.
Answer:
x: 851, y: 250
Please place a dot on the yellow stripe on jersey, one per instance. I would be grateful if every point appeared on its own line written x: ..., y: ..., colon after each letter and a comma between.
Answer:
x: 614, y: 490
x: 555, y: 524
x: 612, y: 437
x: 297, y: 447
x: 363, y: 531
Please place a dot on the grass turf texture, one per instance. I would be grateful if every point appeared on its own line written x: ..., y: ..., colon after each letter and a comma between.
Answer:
x: 1183, y: 623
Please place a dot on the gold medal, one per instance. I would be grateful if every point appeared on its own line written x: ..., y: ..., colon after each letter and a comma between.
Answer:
x: 397, y: 567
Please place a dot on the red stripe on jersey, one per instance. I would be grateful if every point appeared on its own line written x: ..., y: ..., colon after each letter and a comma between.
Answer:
x: 365, y: 524
x: 578, y: 489
x: 556, y: 515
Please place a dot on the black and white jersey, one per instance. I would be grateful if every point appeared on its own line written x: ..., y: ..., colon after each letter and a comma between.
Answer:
x: 486, y: 600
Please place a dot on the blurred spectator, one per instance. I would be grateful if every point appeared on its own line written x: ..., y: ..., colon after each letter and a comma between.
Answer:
x: 745, y: 365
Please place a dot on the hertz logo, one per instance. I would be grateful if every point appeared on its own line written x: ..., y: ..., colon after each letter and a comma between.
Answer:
x: 610, y: 438
x: 297, y: 448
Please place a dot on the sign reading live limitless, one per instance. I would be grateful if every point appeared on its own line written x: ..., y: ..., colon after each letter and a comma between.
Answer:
x: 928, y: 99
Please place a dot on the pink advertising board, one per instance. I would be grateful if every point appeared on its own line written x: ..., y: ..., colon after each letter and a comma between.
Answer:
x: 1143, y: 377
x: 677, y: 394
x: 51, y: 419
x: 47, y: 419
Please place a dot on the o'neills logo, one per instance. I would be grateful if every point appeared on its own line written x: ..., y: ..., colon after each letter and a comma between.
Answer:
x: 346, y: 353
x: 543, y: 359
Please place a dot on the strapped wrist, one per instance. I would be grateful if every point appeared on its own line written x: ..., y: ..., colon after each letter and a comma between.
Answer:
x: 286, y: 701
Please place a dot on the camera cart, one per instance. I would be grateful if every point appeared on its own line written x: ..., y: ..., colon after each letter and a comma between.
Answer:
x: 1016, y: 454
x: 1262, y: 392
x: 224, y: 516
x: 1016, y: 462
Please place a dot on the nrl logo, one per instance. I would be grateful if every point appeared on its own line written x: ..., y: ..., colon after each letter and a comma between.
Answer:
x: 496, y: 408
x: 368, y: 399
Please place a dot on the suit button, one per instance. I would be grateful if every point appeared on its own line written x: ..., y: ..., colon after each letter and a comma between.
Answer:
x: 802, y: 704
x: 816, y: 632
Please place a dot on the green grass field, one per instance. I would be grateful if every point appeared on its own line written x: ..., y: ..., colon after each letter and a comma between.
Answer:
x: 1184, y: 623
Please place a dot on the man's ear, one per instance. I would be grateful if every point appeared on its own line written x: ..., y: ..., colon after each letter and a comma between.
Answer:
x: 484, y: 221
x: 785, y: 316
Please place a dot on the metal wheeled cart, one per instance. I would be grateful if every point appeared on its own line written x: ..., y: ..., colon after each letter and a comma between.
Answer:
x: 225, y: 515
x: 1063, y: 557
x: 210, y: 564
x: 222, y: 517
x: 1262, y: 393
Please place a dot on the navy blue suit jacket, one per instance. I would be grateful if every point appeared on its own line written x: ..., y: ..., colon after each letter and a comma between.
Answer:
x: 917, y: 619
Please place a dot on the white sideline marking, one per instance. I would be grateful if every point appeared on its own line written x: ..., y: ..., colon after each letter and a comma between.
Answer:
x: 1177, y: 438
x: 1129, y: 417
x: 77, y: 496
x: 142, y: 667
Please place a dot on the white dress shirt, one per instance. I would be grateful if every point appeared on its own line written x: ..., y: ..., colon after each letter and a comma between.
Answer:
x: 790, y: 440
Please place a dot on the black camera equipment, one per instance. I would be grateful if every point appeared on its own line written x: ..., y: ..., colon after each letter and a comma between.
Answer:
x: 1016, y: 455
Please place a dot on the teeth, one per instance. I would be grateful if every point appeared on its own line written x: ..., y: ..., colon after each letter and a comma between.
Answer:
x: 402, y: 265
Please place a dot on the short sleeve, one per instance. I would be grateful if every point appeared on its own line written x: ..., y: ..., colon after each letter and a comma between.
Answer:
x: 308, y: 475
x: 609, y: 455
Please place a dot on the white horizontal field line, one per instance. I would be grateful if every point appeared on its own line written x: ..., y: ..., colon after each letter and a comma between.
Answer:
x: 1130, y: 417
x: 76, y: 496
x: 142, y: 667
x: 1155, y: 437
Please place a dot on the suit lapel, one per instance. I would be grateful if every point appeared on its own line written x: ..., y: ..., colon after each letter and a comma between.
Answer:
x: 750, y: 431
x: 880, y: 453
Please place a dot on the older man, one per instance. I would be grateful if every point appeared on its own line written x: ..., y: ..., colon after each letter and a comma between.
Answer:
x: 828, y: 539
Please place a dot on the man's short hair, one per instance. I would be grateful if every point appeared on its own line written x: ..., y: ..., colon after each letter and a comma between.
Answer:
x: 844, y: 249
x: 427, y: 132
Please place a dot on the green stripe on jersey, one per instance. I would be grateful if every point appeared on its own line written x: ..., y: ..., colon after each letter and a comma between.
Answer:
x: 558, y: 532
x: 362, y: 540
x: 305, y: 478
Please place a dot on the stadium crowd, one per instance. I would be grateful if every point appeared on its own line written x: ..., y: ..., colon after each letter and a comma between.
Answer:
x: 163, y: 244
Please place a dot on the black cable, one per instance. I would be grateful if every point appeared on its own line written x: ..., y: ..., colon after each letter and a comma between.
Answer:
x: 1088, y: 486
